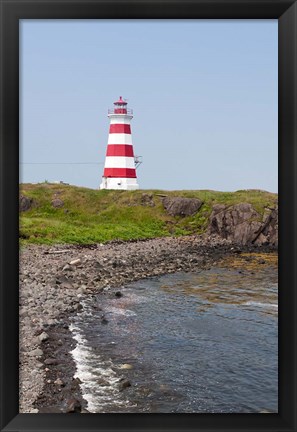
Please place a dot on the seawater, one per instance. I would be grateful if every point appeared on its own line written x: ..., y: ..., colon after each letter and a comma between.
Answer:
x: 188, y: 342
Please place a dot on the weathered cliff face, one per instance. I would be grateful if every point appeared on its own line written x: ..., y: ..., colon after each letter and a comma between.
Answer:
x: 242, y: 224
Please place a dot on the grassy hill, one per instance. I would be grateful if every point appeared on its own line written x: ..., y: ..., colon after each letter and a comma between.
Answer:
x: 95, y: 216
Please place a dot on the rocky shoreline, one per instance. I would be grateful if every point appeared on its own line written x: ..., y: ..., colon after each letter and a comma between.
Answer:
x: 54, y: 280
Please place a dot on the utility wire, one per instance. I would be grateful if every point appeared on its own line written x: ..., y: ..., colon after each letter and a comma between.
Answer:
x: 61, y: 163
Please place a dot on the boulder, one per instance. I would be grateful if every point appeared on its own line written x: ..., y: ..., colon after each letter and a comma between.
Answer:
x: 242, y: 224
x: 179, y: 206
x: 57, y: 203
x: 25, y: 203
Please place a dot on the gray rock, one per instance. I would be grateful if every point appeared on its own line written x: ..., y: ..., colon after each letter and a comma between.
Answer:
x: 103, y: 382
x: 25, y: 203
x: 242, y: 224
x: 124, y: 384
x: 43, y: 337
x: 179, y: 206
x: 75, y: 262
x: 68, y: 267
x: 36, y: 353
x: 51, y: 361
x: 67, y: 285
x: 57, y: 203
x: 59, y: 382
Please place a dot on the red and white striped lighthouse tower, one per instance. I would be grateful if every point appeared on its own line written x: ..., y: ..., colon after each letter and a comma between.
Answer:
x: 119, y: 169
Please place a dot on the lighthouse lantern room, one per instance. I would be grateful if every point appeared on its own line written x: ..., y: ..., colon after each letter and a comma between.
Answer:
x: 119, y: 169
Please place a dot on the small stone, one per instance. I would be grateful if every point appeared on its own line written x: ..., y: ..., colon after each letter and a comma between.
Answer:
x: 68, y: 267
x: 126, y: 366
x: 118, y: 294
x: 49, y: 381
x: 43, y: 337
x: 73, y: 406
x: 51, y: 361
x: 59, y: 382
x: 75, y: 262
x: 66, y: 285
x: 36, y: 353
x: 124, y: 384
x: 103, y: 382
x: 51, y: 322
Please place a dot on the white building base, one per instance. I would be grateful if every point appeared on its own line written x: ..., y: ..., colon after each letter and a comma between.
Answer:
x: 119, y: 183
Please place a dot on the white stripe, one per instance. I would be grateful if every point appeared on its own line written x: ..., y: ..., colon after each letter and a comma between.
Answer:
x: 119, y: 138
x: 119, y: 162
x: 120, y: 120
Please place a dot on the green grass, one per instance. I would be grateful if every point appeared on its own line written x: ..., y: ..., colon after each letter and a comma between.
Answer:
x: 92, y: 216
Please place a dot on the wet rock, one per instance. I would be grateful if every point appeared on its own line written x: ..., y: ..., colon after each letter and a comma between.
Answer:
x: 73, y: 406
x: 179, y: 206
x: 124, y: 384
x: 103, y: 382
x: 104, y: 320
x: 43, y: 337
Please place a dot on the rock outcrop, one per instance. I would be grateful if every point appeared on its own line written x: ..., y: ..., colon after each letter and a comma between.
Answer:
x: 242, y: 224
x: 147, y: 199
x: 179, y: 206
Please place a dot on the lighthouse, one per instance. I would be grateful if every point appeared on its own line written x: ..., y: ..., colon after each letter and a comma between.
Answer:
x: 120, y: 162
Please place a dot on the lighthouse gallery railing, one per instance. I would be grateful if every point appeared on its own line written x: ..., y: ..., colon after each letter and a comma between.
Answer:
x: 120, y: 111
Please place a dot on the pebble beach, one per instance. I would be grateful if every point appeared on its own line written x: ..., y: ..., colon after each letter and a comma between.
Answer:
x: 55, y: 279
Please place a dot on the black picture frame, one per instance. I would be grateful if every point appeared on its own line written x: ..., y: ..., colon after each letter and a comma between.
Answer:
x: 286, y: 13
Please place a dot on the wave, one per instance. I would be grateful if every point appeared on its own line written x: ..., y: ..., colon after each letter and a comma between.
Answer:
x: 99, y: 380
x: 260, y: 304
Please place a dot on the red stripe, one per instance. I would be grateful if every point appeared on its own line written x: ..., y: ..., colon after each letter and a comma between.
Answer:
x: 119, y: 150
x: 120, y: 128
x: 120, y: 172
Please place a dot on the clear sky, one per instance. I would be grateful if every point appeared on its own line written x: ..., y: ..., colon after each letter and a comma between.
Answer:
x: 203, y: 92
